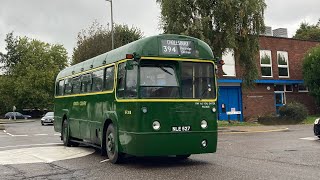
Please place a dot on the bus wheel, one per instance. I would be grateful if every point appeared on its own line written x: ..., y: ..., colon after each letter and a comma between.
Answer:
x: 112, y: 145
x: 183, y: 157
x: 65, y: 134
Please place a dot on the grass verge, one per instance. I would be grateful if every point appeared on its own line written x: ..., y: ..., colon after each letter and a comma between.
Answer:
x: 236, y: 123
x: 310, y: 119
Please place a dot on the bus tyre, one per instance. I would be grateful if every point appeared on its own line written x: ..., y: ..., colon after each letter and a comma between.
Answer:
x: 112, y: 145
x: 65, y: 133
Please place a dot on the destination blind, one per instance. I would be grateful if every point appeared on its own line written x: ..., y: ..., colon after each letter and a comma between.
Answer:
x: 177, y: 47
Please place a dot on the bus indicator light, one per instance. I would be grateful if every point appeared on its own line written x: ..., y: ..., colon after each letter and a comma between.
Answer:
x: 129, y: 56
x: 144, y: 109
x: 204, y: 143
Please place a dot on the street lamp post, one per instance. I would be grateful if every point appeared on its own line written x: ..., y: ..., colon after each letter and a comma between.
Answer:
x: 112, y: 31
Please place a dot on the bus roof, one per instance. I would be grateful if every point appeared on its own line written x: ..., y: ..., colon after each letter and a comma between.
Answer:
x: 152, y: 46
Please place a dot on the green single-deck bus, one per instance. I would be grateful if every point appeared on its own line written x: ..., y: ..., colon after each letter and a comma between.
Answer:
x: 153, y: 97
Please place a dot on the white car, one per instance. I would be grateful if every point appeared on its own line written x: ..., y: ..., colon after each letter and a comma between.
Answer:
x: 47, y: 119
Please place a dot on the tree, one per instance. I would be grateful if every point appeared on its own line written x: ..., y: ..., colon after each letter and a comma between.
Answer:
x: 97, y: 40
x: 220, y: 23
x: 311, y: 71
x: 32, y: 66
x: 308, y: 32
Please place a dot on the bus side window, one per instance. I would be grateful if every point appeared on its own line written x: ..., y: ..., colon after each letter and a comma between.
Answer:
x: 97, y: 80
x: 76, y: 85
x: 131, y: 82
x: 121, y: 80
x: 67, y: 86
x: 86, y: 82
x: 109, y: 78
x: 60, y: 86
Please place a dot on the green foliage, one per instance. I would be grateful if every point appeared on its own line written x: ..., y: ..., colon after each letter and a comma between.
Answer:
x: 32, y: 66
x: 291, y: 113
x: 220, y: 23
x: 311, y: 72
x: 294, y: 111
x: 308, y: 32
x: 96, y: 40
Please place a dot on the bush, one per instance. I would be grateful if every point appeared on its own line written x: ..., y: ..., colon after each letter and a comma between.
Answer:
x: 295, y: 112
x: 292, y: 113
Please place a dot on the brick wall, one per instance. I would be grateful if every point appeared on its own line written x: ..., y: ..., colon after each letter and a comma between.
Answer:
x: 258, y: 101
x: 296, y: 50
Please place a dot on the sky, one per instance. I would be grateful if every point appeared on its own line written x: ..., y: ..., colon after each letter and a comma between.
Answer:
x: 59, y: 21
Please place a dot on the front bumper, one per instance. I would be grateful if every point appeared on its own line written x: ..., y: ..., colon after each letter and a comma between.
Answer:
x: 165, y: 144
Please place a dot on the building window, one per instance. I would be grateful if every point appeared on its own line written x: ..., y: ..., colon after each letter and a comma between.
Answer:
x: 302, y: 88
x: 289, y: 88
x: 283, y: 65
x: 266, y: 63
x: 229, y: 68
x: 279, y: 87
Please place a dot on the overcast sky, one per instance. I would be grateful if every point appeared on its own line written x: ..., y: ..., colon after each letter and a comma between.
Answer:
x: 59, y: 21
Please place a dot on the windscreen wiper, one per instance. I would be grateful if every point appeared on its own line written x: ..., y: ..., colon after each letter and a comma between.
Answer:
x: 163, y: 69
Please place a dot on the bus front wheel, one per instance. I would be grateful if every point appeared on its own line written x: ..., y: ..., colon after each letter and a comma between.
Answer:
x: 65, y: 133
x: 112, y: 145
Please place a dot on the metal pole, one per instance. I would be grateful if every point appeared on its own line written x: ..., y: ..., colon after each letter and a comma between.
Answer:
x: 112, y: 30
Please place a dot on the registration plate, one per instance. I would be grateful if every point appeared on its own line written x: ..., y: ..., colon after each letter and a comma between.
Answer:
x: 181, y: 128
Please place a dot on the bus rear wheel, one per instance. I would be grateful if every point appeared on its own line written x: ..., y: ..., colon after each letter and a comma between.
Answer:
x: 112, y: 145
x: 65, y: 135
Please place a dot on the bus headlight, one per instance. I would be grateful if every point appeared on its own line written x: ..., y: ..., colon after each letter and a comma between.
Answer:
x: 204, y: 124
x: 214, y: 109
x: 156, y: 125
x: 317, y: 121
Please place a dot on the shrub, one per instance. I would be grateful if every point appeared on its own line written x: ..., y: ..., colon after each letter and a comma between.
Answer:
x: 294, y: 112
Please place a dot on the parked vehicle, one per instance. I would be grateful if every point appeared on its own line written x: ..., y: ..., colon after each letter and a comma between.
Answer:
x: 48, y: 118
x: 10, y: 115
x: 316, y: 127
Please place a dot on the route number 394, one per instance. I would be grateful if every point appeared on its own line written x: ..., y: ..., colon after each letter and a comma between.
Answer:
x: 169, y: 49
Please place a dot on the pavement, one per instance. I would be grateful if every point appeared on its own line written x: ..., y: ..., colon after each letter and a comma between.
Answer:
x: 7, y: 121
x: 251, y: 129
x: 227, y: 130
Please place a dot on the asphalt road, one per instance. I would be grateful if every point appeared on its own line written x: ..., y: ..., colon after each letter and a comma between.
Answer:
x: 32, y: 151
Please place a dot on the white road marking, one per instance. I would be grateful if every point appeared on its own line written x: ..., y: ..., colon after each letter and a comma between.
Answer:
x: 20, y: 135
x: 57, y: 134
x: 9, y: 134
x: 106, y: 160
x: 29, y: 145
x: 4, y: 131
x: 42, y: 154
x: 310, y: 138
x: 41, y: 134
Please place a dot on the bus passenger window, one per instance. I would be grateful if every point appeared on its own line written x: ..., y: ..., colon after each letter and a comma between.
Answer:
x: 109, y: 78
x: 60, y: 88
x: 97, y: 80
x: 121, y: 80
x: 67, y: 86
x: 131, y: 82
x: 86, y: 82
x: 76, y: 85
